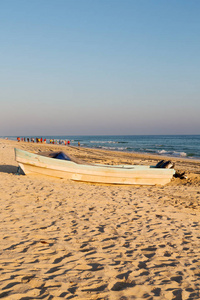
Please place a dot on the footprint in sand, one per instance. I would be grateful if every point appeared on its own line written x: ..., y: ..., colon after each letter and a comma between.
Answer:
x: 149, y: 251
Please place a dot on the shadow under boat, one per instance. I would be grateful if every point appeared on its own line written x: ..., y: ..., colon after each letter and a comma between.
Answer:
x: 8, y: 169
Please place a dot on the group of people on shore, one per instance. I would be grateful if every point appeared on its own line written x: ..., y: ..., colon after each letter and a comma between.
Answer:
x: 60, y: 142
x: 41, y: 140
x: 32, y: 140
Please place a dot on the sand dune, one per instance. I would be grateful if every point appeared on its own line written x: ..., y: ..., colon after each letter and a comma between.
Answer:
x: 69, y: 240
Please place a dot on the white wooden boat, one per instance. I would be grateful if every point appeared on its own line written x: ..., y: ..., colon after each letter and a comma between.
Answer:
x: 121, y: 174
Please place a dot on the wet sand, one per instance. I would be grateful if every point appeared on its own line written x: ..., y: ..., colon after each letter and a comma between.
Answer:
x: 71, y: 240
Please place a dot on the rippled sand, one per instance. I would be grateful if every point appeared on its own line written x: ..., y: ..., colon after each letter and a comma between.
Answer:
x: 69, y: 240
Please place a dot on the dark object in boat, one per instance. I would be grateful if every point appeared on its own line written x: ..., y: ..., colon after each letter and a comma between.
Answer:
x: 180, y: 175
x: 61, y: 155
x: 165, y: 164
x: 159, y: 164
x: 168, y: 164
x: 58, y: 155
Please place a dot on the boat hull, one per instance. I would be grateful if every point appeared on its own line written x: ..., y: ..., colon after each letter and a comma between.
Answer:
x: 32, y: 163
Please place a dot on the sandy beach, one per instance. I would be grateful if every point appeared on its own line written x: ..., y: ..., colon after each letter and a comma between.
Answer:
x: 70, y: 240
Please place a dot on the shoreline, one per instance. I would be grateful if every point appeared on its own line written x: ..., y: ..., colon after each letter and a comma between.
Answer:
x: 62, y: 239
x: 65, y: 141
x: 106, y: 151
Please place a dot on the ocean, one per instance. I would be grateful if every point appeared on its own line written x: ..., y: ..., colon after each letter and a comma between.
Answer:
x: 187, y: 146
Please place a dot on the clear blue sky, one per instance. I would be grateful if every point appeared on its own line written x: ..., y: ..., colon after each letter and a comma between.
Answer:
x: 99, y: 67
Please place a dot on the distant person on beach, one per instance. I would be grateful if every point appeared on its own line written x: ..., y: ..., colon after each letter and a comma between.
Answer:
x: 18, y: 139
x: 68, y: 143
x: 79, y: 144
